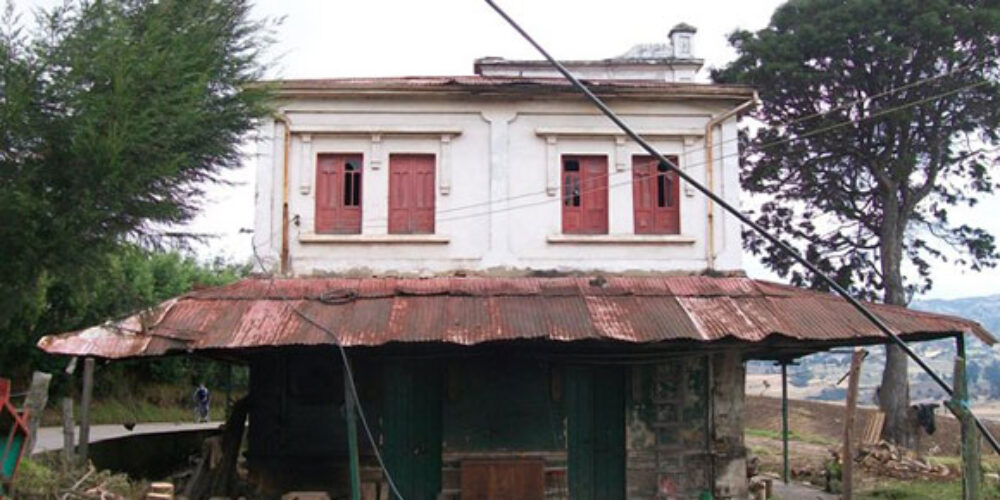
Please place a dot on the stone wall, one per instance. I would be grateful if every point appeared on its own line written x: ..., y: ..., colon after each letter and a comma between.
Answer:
x: 667, y: 430
x: 684, y: 433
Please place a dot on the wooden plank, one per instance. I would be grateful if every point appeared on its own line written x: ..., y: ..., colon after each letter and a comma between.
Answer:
x: 503, y: 478
x: 872, y: 433
x: 852, y: 403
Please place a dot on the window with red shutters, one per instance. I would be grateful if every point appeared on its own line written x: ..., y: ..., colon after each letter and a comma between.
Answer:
x: 338, y: 193
x: 585, y: 194
x: 655, y: 196
x: 411, y: 194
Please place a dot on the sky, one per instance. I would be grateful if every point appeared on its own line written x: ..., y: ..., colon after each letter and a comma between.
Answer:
x: 336, y: 38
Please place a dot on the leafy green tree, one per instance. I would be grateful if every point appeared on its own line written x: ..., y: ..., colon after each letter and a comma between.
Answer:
x: 871, y: 199
x: 114, y: 117
x: 132, y: 278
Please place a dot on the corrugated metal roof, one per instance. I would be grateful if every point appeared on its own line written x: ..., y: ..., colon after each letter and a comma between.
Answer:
x: 376, y: 311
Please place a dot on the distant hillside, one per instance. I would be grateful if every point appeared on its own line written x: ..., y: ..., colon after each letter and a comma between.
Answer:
x: 818, y: 374
x: 985, y: 310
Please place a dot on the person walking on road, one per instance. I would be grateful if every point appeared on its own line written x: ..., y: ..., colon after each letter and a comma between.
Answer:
x: 201, y: 399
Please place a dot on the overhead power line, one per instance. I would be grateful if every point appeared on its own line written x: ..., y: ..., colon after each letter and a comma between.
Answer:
x: 799, y: 137
x: 774, y: 240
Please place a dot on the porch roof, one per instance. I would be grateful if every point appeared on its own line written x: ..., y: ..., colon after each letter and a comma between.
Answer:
x: 375, y: 311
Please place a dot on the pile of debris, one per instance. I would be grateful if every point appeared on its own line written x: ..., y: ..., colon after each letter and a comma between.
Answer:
x: 887, y: 460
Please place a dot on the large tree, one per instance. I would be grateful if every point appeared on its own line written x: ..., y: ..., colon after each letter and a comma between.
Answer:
x: 880, y: 116
x: 114, y: 117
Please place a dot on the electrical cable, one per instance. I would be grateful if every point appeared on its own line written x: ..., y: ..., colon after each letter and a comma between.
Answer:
x: 674, y: 167
x: 349, y: 373
x: 686, y: 177
x: 734, y: 139
x: 774, y: 240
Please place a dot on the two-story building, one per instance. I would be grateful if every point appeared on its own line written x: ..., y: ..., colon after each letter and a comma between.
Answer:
x: 533, y: 308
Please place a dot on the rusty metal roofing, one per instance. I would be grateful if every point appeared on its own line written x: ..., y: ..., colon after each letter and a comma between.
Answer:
x: 473, y: 310
x: 478, y: 84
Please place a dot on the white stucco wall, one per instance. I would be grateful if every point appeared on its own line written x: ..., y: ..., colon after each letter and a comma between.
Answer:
x: 497, y: 193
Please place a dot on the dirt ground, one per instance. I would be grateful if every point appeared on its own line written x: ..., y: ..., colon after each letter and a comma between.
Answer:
x: 820, y: 421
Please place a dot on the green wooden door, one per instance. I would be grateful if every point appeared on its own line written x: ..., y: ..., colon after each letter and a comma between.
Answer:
x: 596, y: 418
x: 411, y: 423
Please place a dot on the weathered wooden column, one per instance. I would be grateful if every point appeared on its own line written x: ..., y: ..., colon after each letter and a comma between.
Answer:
x: 350, y: 414
x: 959, y: 405
x: 68, y: 429
x: 847, y: 482
x: 85, y: 399
x: 38, y: 398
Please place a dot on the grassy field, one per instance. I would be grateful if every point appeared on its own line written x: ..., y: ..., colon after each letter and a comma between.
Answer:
x: 792, y: 436
x: 115, y: 411
x: 922, y: 490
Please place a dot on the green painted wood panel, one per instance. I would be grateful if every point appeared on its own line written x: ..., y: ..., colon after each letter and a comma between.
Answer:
x: 411, y: 424
x: 595, y: 398
x: 501, y: 404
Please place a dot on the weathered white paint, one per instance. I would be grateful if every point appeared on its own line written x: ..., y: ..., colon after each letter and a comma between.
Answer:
x: 498, y: 206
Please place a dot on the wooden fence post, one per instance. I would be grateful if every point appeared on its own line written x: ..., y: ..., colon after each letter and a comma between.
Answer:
x: 38, y: 398
x: 85, y: 398
x: 68, y: 430
x: 959, y: 404
x: 847, y: 458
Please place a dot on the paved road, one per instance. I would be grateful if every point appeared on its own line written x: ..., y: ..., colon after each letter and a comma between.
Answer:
x: 51, y: 438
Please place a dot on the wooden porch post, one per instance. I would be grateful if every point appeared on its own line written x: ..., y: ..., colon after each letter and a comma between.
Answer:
x: 959, y: 404
x: 352, y: 435
x: 85, y: 398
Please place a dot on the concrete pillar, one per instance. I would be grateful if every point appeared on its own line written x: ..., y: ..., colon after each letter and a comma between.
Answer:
x: 728, y: 406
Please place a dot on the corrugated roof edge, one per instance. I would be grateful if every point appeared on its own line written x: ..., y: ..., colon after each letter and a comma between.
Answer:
x: 474, y: 84
x: 252, y: 313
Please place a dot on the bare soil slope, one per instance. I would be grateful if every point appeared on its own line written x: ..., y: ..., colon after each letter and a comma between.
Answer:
x: 824, y: 421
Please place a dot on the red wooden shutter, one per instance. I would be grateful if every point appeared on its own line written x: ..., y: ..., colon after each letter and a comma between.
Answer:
x: 338, y: 193
x: 411, y: 194
x: 655, y: 196
x: 585, y: 195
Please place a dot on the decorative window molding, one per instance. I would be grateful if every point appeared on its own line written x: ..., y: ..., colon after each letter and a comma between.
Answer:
x: 375, y: 160
x: 612, y: 239
x: 444, y: 165
x: 621, y: 156
x: 360, y: 239
x: 376, y: 129
x: 607, y: 132
x: 688, y: 149
x: 308, y: 164
x: 551, y: 165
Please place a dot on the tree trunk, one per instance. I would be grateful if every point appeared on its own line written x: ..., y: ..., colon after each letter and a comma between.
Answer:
x: 894, y: 394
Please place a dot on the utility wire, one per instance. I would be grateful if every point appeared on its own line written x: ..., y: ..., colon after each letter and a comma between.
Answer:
x: 674, y: 167
x: 774, y: 240
x: 347, y: 371
x: 702, y: 149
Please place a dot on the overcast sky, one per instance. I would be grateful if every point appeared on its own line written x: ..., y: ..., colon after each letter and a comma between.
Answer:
x: 442, y: 37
